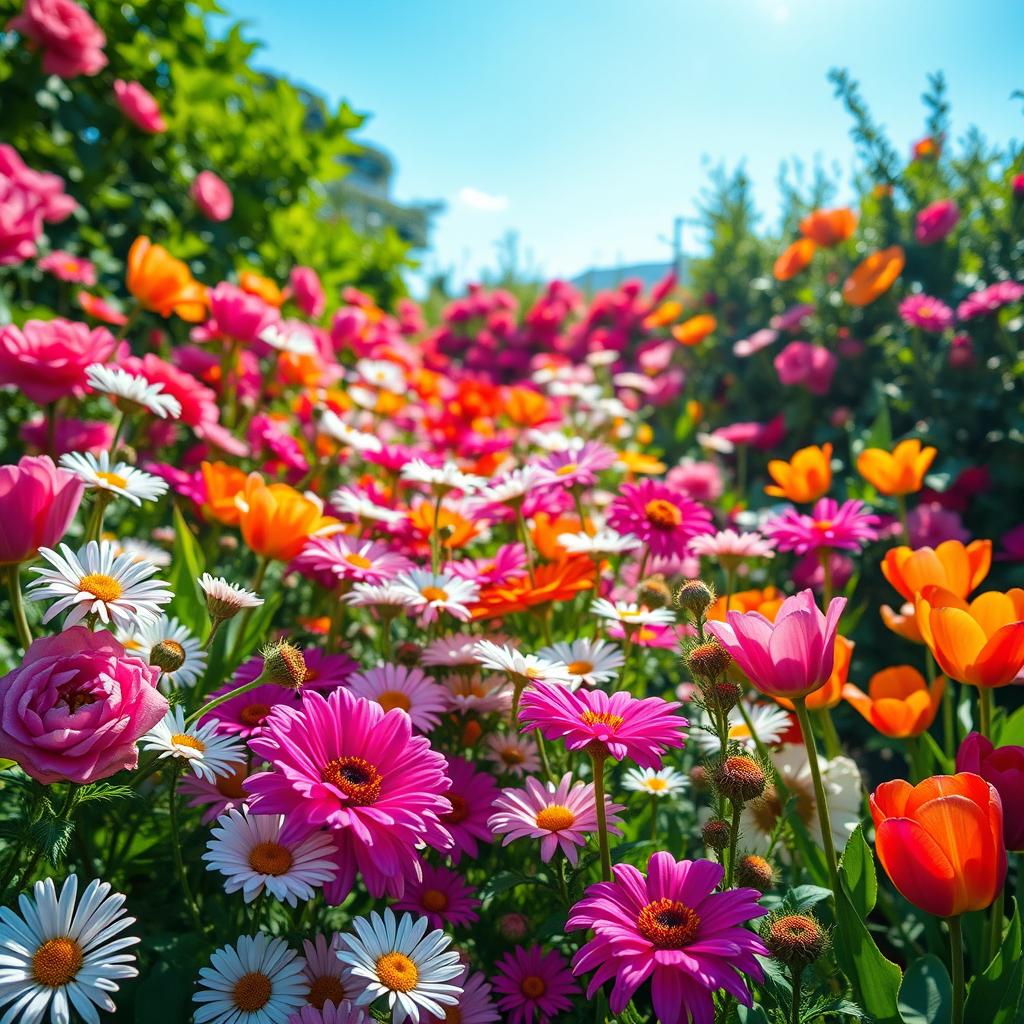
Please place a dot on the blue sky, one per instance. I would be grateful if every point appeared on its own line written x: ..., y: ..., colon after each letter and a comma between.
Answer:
x: 587, y: 125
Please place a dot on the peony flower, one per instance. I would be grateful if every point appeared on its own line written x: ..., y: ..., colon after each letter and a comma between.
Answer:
x: 935, y: 221
x: 801, y: 364
x: 72, y: 43
x: 38, y: 502
x: 139, y: 106
x: 307, y: 291
x: 212, y: 195
x: 931, y: 315
x: 76, y: 706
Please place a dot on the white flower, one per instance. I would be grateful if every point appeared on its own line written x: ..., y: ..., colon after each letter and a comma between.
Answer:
x: 512, y: 486
x: 350, y: 502
x: 602, y: 357
x: 96, y: 581
x: 396, y: 960
x: 522, y: 667
x: 372, y: 595
x: 177, y: 641
x: 381, y: 373
x: 604, y: 542
x: 223, y: 599
x: 335, y: 427
x: 210, y: 755
x: 631, y: 614
x: 432, y: 593
x: 59, y: 956
x: 112, y: 380
x: 142, y: 551
x: 256, y: 851
x: 770, y: 722
x: 259, y: 980
x: 586, y: 661
x: 299, y: 343
x: 663, y: 782
x: 121, y: 478
x: 441, y: 479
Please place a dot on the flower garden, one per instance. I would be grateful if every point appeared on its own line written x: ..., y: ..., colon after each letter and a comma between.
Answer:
x: 524, y: 656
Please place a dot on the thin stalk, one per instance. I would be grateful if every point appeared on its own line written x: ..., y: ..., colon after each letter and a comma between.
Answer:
x: 800, y: 703
x: 542, y: 751
x: 435, y: 537
x: 179, y: 863
x: 995, y: 927
x: 985, y: 711
x: 956, y: 965
x: 734, y: 835
x: 243, y: 620
x: 18, y: 605
x: 602, y: 819
x: 654, y: 818
x: 798, y: 974
x: 833, y: 747
x: 217, y: 701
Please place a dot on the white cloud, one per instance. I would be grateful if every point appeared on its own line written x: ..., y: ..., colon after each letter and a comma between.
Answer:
x: 478, y: 200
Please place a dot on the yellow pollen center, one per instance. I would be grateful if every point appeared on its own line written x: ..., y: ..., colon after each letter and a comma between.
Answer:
x: 434, y: 594
x: 567, y: 469
x: 533, y: 987
x: 356, y: 778
x: 270, y: 859
x: 101, y: 586
x: 668, y: 924
x: 555, y: 818
x: 739, y: 731
x: 358, y: 560
x: 113, y: 479
x: 397, y: 972
x: 663, y: 514
x: 325, y: 989
x: 602, y: 718
x: 580, y: 668
x: 182, y: 739
x: 657, y: 785
x: 56, y: 962
x: 823, y: 524
x: 434, y: 899
x: 533, y: 672
x: 391, y: 699
x: 252, y: 992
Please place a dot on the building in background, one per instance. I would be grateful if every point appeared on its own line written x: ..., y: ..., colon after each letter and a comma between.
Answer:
x: 599, y: 279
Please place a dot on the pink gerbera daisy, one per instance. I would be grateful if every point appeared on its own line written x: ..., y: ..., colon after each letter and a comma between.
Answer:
x: 395, y: 686
x: 514, y: 754
x: 619, y: 723
x: 648, y: 635
x: 472, y: 795
x: 729, y: 548
x: 343, y: 762
x: 673, y: 928
x: 845, y: 527
x: 225, y: 793
x: 349, y: 558
x: 929, y: 314
x: 561, y: 816
x: 533, y: 985
x: 507, y: 562
x: 442, y: 897
x: 577, y: 467
x: 475, y: 1005
x: 332, y: 1013
x: 664, y: 519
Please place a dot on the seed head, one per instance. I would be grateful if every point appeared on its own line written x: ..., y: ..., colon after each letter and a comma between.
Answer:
x: 755, y: 872
x: 796, y: 940
x: 654, y: 592
x: 716, y: 834
x: 740, y: 778
x: 284, y: 665
x: 707, y: 660
x: 168, y: 655
x: 694, y: 596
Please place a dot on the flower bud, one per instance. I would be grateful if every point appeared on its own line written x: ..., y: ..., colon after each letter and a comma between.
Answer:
x: 716, y: 833
x: 699, y: 778
x: 513, y: 927
x: 707, y: 660
x: 755, y: 872
x: 408, y: 654
x: 168, y: 655
x: 721, y: 696
x: 796, y: 940
x: 695, y: 596
x: 653, y: 592
x: 740, y: 778
x: 284, y: 665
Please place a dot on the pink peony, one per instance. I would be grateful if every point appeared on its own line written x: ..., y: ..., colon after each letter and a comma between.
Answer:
x: 47, y: 359
x: 802, y: 364
x: 66, y: 266
x: 76, y: 706
x: 212, y: 195
x: 936, y: 221
x: 72, y: 43
x: 307, y: 291
x: 21, y: 223
x: 37, y: 503
x: 139, y: 106
x: 71, y: 435
x: 990, y: 299
x: 928, y: 314
x: 48, y: 189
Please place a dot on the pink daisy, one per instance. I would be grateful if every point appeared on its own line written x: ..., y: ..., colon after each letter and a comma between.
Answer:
x: 673, y: 928
x: 990, y: 299
x: 246, y: 715
x: 476, y: 693
x: 845, y: 527
x: 533, y: 985
x: 577, y: 467
x: 348, y: 558
x: 472, y: 795
x: 344, y: 763
x: 664, y: 519
x: 561, y: 816
x: 622, y: 725
x: 442, y: 897
x: 730, y: 548
x: 225, y: 793
x: 475, y: 1005
x: 929, y: 314
x: 325, y: 973
x: 648, y: 635
x: 516, y: 755
x: 507, y: 562
x: 66, y: 266
x: 450, y: 651
x: 395, y: 686
x: 331, y: 1013
x: 325, y: 671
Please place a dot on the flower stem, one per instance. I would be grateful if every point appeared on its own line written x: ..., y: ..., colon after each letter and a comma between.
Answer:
x: 18, y: 605
x: 985, y: 711
x: 602, y: 818
x: 243, y: 619
x: 734, y: 835
x: 833, y: 747
x: 435, y: 537
x: 797, y: 978
x: 956, y: 964
x: 179, y: 863
x: 995, y: 928
x: 800, y: 703
x: 217, y: 701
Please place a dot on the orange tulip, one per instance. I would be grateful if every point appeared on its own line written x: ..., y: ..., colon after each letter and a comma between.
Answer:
x: 256, y: 284
x: 951, y: 566
x: 899, y: 703
x: 899, y: 472
x: 874, y: 276
x: 695, y: 330
x: 903, y: 623
x: 832, y: 692
x: 222, y: 483
x: 829, y: 227
x: 663, y: 315
x: 806, y: 477
x: 941, y: 841
x: 981, y: 643
x: 277, y: 520
x: 767, y: 602
x: 794, y: 259
x: 163, y: 284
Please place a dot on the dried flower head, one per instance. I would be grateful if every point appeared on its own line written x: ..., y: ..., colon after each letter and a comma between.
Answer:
x: 695, y: 596
x: 654, y: 592
x: 716, y: 834
x: 796, y: 940
x: 755, y: 872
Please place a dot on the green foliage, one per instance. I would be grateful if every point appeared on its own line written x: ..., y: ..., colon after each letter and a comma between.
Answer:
x: 926, y: 995
x: 995, y: 994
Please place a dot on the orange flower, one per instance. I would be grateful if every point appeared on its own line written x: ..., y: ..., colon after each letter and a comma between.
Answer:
x: 951, y: 566
x: 903, y: 623
x: 899, y: 472
x: 941, y: 841
x: 222, y: 483
x: 663, y: 315
x: 794, y: 259
x: 829, y: 227
x: 832, y: 692
x: 806, y: 477
x: 277, y: 520
x: 256, y: 284
x: 553, y: 581
x: 767, y: 602
x: 456, y: 531
x: 695, y: 330
x: 874, y: 276
x: 981, y: 643
x: 163, y: 284
x: 899, y: 703
x: 926, y: 148
x: 642, y: 464
x: 526, y: 407
x: 546, y: 531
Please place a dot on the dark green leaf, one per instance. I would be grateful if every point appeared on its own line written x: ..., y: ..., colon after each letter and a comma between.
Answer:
x: 187, y: 565
x: 994, y: 995
x: 51, y: 836
x: 926, y: 995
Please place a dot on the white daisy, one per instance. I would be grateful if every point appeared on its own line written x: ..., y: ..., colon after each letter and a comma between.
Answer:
x: 209, y: 754
x: 604, y: 542
x: 433, y: 593
x: 631, y: 614
x: 379, y: 595
x: 659, y: 783
x: 256, y: 981
x: 167, y: 642
x: 770, y: 722
x: 299, y: 343
x: 96, y: 581
x: 400, y: 961
x: 382, y: 373
x: 223, y: 599
x: 441, y: 479
x: 60, y: 957
x: 587, y: 661
x: 602, y: 357
x: 335, y: 427
x: 523, y: 668
x: 120, y: 478
x: 112, y: 380
x: 257, y: 851
x: 350, y: 502
x: 142, y: 551
x: 473, y: 693
x: 512, y: 487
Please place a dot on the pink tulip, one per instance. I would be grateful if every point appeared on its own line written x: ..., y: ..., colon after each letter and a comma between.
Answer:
x: 936, y: 221
x: 37, y: 503
x: 72, y: 43
x: 139, y: 106
x: 790, y: 657
x: 307, y: 291
x: 212, y: 196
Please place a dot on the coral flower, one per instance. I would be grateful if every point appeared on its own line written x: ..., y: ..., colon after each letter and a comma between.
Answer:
x: 874, y: 276
x: 1002, y: 767
x: 941, y: 841
x: 140, y: 106
x: 981, y: 643
x: 695, y: 330
x: 552, y: 582
x: 162, y: 283
x: 223, y: 483
x: 38, y: 502
x: 790, y: 657
x: 212, y: 195
x: 898, y: 472
x: 256, y: 284
x: 665, y: 520
x: 673, y: 928
x: 829, y: 227
x: 795, y: 258
x: 806, y: 477
x: 899, y: 703
x: 277, y: 520
x: 952, y: 565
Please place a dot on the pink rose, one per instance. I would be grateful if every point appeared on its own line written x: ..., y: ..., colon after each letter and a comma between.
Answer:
x: 48, y: 189
x: 47, y: 359
x: 38, y: 501
x: 139, y: 106
x: 72, y: 43
x: 307, y: 291
x: 802, y: 364
x: 76, y: 706
x: 21, y: 222
x: 212, y: 196
x: 936, y: 221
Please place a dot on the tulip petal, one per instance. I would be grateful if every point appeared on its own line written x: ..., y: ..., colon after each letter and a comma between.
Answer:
x: 957, y: 641
x: 1002, y: 658
x: 916, y: 865
x: 795, y: 650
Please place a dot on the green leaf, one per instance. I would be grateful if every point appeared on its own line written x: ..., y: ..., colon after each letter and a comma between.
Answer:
x: 105, y: 792
x: 504, y: 881
x: 994, y: 995
x: 857, y: 869
x: 51, y: 836
x: 187, y: 565
x: 926, y: 995
x: 1012, y: 732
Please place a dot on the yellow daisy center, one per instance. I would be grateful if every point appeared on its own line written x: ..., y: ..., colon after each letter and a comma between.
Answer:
x: 56, y: 962
x: 101, y: 586
x: 663, y: 514
x: 555, y: 818
x: 602, y: 718
x: 434, y: 594
x: 270, y: 859
x: 112, y: 478
x: 252, y: 992
x: 397, y: 972
x: 567, y: 469
x: 668, y: 924
x: 580, y: 668
x: 182, y: 739
x: 657, y: 785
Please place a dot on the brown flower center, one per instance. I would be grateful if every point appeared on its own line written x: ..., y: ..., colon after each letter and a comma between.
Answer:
x: 356, y: 778
x: 459, y: 811
x: 78, y: 699
x: 662, y: 514
x: 512, y: 756
x: 252, y: 992
x: 397, y: 972
x: 533, y: 987
x: 270, y: 859
x: 230, y: 786
x: 56, y: 962
x: 101, y: 586
x: 255, y: 714
x: 391, y: 699
x: 668, y: 924
x: 325, y: 989
x: 555, y: 818
x: 434, y: 899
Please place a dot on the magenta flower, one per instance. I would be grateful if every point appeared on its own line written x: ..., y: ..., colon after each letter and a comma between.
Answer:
x: 790, y: 657
x: 665, y: 520
x: 398, y: 686
x: 929, y: 524
x: 701, y: 481
x: 72, y: 43
x: 76, y: 706
x: 343, y: 763
x: 936, y: 221
x: 793, y: 318
x: 845, y: 527
x: 533, y: 986
x: 236, y: 315
x: 342, y: 557
x: 928, y: 314
x: 577, y: 467
x: 508, y: 562
x: 989, y: 300
x: 307, y: 291
x: 472, y: 795
x: 139, y: 106
x: 38, y: 502
x: 442, y: 897
x: 1002, y: 767
x: 801, y: 364
x: 620, y: 724
x: 212, y: 195
x: 27, y: 199
x: 71, y: 435
x: 670, y: 927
